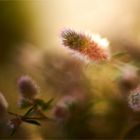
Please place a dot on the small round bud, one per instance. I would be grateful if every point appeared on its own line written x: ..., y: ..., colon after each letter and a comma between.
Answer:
x: 27, y: 87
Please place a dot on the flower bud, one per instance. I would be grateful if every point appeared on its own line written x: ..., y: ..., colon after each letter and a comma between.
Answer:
x: 27, y: 87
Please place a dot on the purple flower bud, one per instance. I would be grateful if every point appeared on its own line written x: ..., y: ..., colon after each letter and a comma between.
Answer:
x: 27, y: 87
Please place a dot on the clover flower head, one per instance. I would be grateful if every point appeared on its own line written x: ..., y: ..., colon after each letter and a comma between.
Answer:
x: 62, y: 111
x: 129, y: 70
x: 134, y: 99
x: 88, y: 44
x: 129, y: 78
x: 27, y: 87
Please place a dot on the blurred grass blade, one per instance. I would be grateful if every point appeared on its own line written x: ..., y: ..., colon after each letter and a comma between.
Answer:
x: 32, y: 122
x: 119, y: 54
x: 30, y: 110
x: 47, y: 105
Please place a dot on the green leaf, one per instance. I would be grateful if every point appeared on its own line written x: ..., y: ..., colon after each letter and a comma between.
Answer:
x: 47, y: 105
x: 29, y: 111
x: 39, y: 102
x: 32, y: 122
x: 42, y: 104
x: 25, y: 104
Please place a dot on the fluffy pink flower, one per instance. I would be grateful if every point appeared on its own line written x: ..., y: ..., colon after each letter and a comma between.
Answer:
x: 90, y: 45
x: 27, y: 87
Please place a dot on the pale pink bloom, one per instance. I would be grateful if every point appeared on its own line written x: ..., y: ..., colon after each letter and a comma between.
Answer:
x: 129, y: 78
x: 61, y: 111
x: 27, y: 87
x: 88, y: 44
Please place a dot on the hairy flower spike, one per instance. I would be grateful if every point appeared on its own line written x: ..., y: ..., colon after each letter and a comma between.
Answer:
x: 134, y: 99
x: 27, y: 87
x: 74, y: 40
x: 90, y: 45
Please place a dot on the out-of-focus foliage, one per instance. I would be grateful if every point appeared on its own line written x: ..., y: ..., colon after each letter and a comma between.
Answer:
x: 90, y: 99
x: 16, y: 22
